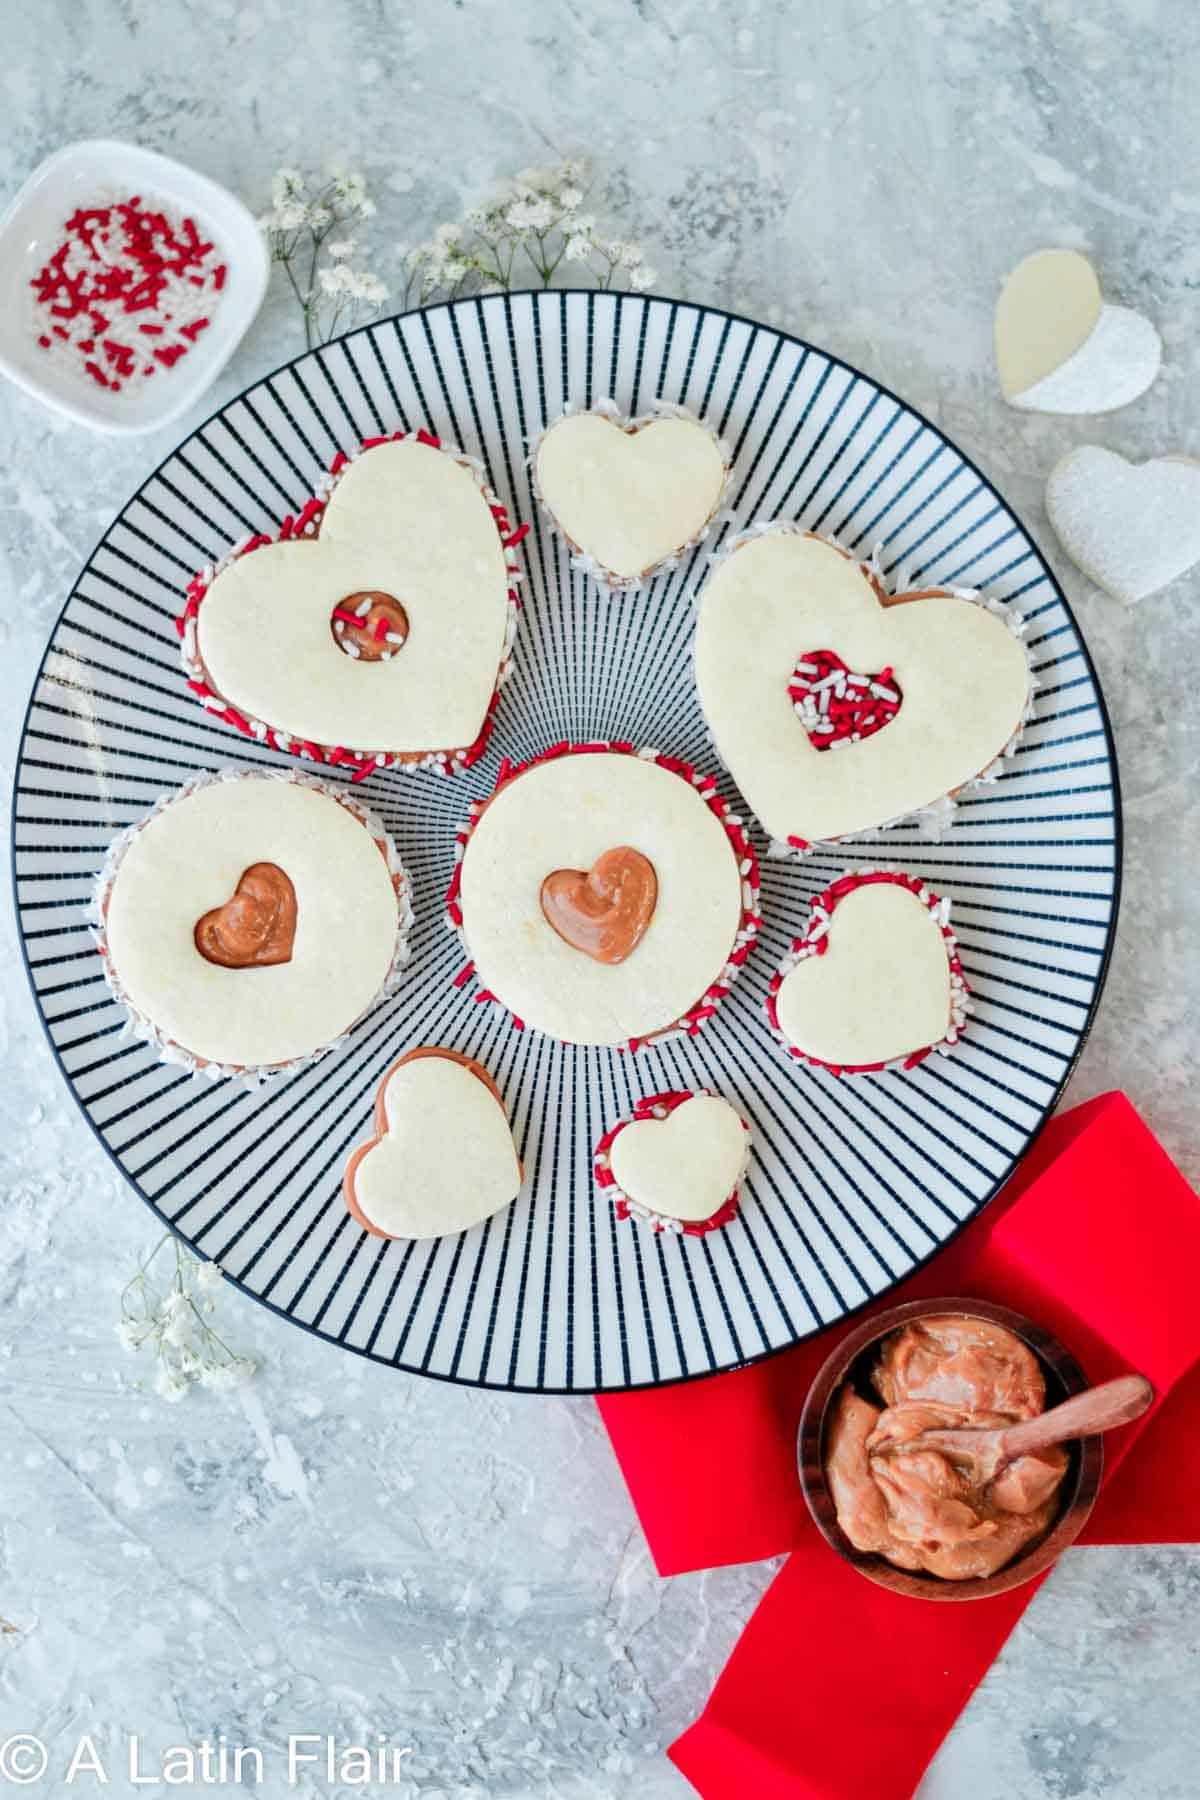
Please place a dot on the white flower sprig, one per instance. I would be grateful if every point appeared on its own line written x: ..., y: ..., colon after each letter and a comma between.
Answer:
x: 176, y: 1324
x: 304, y: 227
x: 534, y: 224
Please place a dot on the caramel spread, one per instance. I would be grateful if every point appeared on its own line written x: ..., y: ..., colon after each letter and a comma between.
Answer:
x: 606, y: 910
x: 919, y: 1507
x: 256, y: 926
x: 371, y: 627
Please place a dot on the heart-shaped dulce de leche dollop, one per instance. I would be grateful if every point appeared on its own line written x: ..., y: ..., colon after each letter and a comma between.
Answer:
x: 256, y: 926
x: 442, y: 1158
x: 629, y: 494
x: 956, y: 662
x: 605, y: 910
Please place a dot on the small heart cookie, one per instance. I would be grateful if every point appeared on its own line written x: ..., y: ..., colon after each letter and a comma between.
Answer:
x: 1131, y: 527
x: 378, y: 628
x: 605, y: 910
x: 629, y: 495
x: 676, y: 1162
x: 442, y: 1158
x: 1060, y: 348
x: 874, y: 981
x: 957, y: 693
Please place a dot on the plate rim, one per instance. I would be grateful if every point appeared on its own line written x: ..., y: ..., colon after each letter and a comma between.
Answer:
x: 851, y: 1313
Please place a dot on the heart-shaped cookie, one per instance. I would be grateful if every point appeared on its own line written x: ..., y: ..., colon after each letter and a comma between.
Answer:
x: 605, y: 910
x: 379, y: 626
x: 1131, y: 527
x: 442, y: 1158
x: 1060, y: 348
x: 676, y: 1163
x: 256, y: 926
x: 629, y: 495
x: 958, y: 664
x: 874, y: 981
x: 837, y: 705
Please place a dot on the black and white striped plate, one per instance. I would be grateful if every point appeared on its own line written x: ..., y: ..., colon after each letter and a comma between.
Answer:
x: 852, y: 1183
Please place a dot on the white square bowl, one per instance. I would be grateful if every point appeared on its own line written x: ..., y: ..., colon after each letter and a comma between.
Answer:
x: 31, y: 230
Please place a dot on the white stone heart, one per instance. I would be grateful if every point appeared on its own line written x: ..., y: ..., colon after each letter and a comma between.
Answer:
x: 629, y: 495
x: 880, y: 991
x: 404, y: 519
x: 1131, y: 527
x: 963, y: 674
x: 1060, y: 348
x: 686, y: 1165
x: 445, y: 1158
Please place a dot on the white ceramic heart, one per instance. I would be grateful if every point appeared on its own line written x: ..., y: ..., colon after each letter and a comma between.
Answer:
x: 683, y: 1163
x: 1131, y: 527
x: 629, y: 495
x: 1060, y: 348
x: 874, y: 981
x: 780, y: 592
x: 443, y: 1157
x: 405, y: 518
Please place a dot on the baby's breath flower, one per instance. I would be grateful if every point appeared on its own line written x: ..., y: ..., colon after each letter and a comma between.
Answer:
x: 342, y: 248
x: 175, y: 1323
x: 289, y: 215
x: 302, y: 230
x: 578, y: 248
x: 570, y: 197
x: 631, y: 256
x: 643, y: 277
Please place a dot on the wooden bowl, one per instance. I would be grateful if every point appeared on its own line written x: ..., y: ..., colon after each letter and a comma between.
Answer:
x: 854, y: 1356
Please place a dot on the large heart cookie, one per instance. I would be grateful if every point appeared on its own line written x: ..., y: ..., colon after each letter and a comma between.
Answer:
x: 961, y: 670
x: 1060, y: 348
x: 375, y: 631
x: 442, y: 1158
x: 1130, y: 527
x: 629, y: 495
x: 875, y: 979
x: 676, y: 1163
x: 251, y: 918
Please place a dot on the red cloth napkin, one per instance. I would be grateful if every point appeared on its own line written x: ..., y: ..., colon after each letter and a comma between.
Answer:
x: 1098, y: 1237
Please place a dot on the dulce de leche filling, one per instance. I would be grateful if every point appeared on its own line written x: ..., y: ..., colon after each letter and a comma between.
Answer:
x: 256, y: 926
x: 922, y: 1508
x: 605, y: 910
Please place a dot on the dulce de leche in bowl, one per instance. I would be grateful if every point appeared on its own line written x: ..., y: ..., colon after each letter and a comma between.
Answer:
x: 906, y: 1513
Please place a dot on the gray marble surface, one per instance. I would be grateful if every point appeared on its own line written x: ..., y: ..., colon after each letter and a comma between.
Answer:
x: 339, y: 1549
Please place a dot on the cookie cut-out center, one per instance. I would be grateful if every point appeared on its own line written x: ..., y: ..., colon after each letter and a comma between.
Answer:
x: 605, y: 910
x: 256, y: 927
x: 370, y: 627
x: 838, y: 705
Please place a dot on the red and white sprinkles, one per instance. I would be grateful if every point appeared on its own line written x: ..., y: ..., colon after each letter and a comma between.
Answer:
x: 306, y: 523
x: 814, y: 941
x: 127, y: 292
x: 706, y: 787
x: 838, y: 706
x: 656, y: 1106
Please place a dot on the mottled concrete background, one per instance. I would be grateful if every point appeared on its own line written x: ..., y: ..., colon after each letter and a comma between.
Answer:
x: 340, y: 1549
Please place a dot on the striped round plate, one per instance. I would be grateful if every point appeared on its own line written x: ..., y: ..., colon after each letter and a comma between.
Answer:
x: 853, y: 1182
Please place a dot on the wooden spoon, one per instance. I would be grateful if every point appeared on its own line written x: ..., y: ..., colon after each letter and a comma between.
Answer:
x: 988, y: 1449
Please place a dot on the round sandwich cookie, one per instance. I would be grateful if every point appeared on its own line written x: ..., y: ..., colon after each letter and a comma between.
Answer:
x: 376, y: 630
x: 874, y: 981
x: 442, y: 1158
x: 629, y: 496
x: 676, y: 1163
x: 603, y: 895
x: 839, y: 707
x: 251, y: 919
